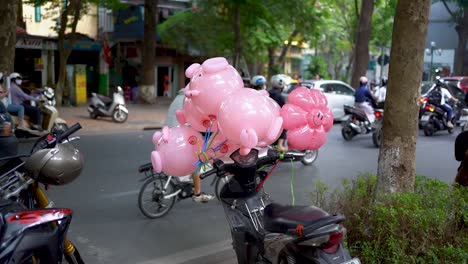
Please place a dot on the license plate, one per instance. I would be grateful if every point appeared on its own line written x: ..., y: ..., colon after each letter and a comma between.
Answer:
x: 353, y: 261
x: 425, y: 118
x: 464, y: 118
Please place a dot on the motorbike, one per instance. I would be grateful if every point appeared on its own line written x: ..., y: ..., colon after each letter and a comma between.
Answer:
x: 266, y: 232
x: 51, y: 122
x: 434, y: 119
x: 357, y: 123
x: 377, y: 131
x: 109, y: 107
x: 463, y: 121
x: 21, y: 175
x: 32, y: 236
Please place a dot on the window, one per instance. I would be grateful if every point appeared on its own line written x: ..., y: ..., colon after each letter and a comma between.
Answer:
x: 37, y: 13
x: 341, y: 89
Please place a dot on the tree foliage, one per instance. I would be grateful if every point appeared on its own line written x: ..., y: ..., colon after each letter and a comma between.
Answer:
x: 208, y: 31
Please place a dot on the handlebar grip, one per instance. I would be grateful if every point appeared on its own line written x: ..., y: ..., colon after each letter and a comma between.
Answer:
x: 208, y: 173
x: 68, y: 132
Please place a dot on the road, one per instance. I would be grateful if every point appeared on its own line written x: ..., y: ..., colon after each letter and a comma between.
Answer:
x: 108, y: 227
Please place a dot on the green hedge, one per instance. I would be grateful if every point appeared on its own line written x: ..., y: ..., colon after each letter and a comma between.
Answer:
x: 429, y: 225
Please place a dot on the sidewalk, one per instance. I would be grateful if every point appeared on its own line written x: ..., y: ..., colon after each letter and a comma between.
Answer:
x: 140, y: 117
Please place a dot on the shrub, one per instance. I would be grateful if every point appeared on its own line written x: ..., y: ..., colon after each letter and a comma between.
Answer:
x: 429, y: 225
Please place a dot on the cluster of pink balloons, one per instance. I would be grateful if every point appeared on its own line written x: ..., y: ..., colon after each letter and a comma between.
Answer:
x: 233, y: 117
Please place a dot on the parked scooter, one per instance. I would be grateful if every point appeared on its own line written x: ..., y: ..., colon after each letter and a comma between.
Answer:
x: 51, y: 122
x: 106, y: 107
x: 267, y: 232
x: 357, y: 123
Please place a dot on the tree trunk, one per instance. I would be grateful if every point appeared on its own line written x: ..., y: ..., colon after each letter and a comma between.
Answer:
x: 19, y: 18
x: 462, y: 31
x: 286, y: 47
x: 397, y: 166
x: 147, y: 88
x: 237, y: 36
x: 74, y: 8
x: 8, y: 13
x: 271, y: 62
x: 361, y: 59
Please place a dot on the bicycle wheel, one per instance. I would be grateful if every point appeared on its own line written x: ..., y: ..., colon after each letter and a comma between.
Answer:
x: 151, y: 199
x: 220, y: 182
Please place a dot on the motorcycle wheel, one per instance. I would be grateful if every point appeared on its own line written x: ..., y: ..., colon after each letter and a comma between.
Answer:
x: 348, y: 133
x: 465, y: 126
x: 450, y: 130
x: 119, y: 116
x: 151, y: 198
x: 429, y: 129
x: 377, y: 138
x: 310, y: 157
x: 93, y: 114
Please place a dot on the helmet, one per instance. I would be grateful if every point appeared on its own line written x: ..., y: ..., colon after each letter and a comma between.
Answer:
x: 384, y: 81
x: 258, y: 80
x: 363, y: 80
x: 278, y: 81
x: 15, y: 75
x: 56, y: 166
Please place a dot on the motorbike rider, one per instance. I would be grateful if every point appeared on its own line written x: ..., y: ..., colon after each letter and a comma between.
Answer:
x: 5, y: 98
x: 171, y: 121
x: 380, y: 93
x: 277, y: 86
x: 18, y: 98
x: 258, y: 82
x: 440, y: 95
x: 363, y: 99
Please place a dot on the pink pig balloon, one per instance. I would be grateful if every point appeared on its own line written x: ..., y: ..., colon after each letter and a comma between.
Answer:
x: 176, y: 150
x: 307, y: 119
x: 210, y: 83
x: 250, y: 118
x: 222, y: 146
x: 196, y: 119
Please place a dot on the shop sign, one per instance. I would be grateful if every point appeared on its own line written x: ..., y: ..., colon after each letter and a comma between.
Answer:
x: 25, y: 43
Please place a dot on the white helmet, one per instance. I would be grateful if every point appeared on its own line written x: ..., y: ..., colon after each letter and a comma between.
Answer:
x: 278, y: 81
x: 15, y: 75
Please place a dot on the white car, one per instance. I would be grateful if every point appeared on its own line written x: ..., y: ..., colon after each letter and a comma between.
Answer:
x: 338, y: 94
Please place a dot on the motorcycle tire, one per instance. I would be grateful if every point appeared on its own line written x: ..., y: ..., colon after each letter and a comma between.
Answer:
x: 155, y: 186
x: 429, y: 129
x: 465, y: 127
x: 450, y: 130
x: 310, y: 157
x: 348, y: 133
x: 93, y: 114
x: 377, y: 138
x: 119, y: 116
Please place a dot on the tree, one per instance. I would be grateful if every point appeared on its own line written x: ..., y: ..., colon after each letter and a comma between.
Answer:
x: 460, y: 17
x: 67, y: 17
x: 397, y: 165
x: 361, y: 54
x: 147, y: 87
x: 8, y: 14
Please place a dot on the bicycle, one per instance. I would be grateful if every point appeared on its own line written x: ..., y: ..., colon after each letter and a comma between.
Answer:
x: 160, y: 192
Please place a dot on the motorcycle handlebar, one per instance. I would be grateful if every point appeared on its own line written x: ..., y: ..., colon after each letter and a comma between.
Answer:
x: 68, y: 132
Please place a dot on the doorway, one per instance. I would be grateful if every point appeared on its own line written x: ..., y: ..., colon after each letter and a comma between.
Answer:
x: 163, y: 81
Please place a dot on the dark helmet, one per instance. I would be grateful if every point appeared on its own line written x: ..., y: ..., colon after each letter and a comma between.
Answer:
x: 56, y: 166
x: 384, y: 81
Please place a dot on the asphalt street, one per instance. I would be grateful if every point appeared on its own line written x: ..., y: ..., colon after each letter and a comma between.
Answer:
x: 108, y: 227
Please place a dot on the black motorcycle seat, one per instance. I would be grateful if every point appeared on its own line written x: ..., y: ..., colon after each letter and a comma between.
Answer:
x: 106, y: 100
x: 281, y: 218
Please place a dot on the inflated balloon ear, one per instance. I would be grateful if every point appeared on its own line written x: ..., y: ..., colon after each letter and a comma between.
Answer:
x: 165, y: 133
x: 244, y: 151
x: 191, y: 70
x: 215, y: 64
x: 180, y: 116
x: 156, y: 136
x: 248, y: 138
x: 156, y: 161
